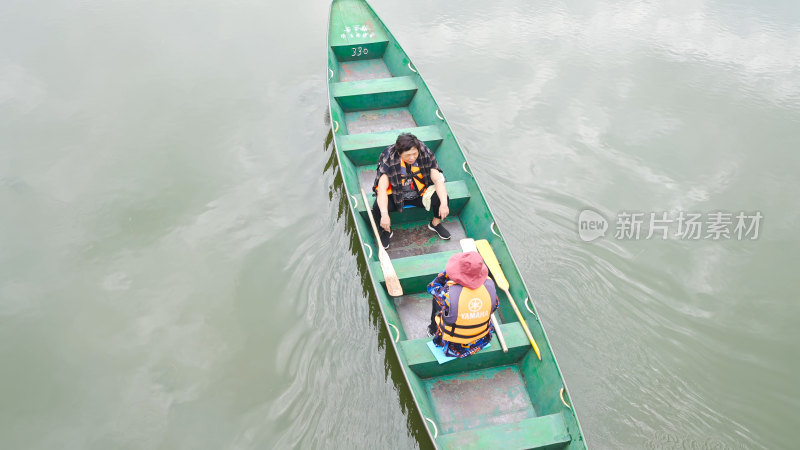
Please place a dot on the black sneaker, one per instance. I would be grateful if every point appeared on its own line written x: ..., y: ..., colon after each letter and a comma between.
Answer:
x: 385, y: 236
x: 431, y: 333
x: 440, y: 230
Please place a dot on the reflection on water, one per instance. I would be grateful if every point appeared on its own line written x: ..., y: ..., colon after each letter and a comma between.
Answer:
x: 393, y: 368
x: 180, y: 268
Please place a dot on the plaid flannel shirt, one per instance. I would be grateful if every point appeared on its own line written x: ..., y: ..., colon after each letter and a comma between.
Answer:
x: 389, y: 164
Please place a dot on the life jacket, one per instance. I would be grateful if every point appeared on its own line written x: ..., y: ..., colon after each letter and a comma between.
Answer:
x: 419, y: 179
x: 474, y: 314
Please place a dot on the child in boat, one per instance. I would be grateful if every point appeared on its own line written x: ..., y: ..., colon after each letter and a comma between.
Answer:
x: 408, y: 175
x: 463, y: 300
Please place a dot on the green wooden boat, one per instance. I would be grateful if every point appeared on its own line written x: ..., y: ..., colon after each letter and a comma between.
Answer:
x: 491, y: 399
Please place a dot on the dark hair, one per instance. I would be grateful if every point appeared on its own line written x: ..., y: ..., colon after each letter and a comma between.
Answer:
x: 406, y: 142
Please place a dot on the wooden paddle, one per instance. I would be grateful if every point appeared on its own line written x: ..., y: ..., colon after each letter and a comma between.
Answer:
x: 468, y: 245
x: 500, y: 280
x: 389, y: 275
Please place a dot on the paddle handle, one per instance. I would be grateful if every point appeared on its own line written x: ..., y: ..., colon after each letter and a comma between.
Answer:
x: 372, y: 222
x: 524, y: 324
x: 486, y: 251
x: 499, y: 333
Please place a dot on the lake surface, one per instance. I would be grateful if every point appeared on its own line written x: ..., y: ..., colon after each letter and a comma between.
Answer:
x: 177, y: 269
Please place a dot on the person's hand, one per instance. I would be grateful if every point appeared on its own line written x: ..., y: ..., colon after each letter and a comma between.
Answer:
x: 386, y: 223
x: 443, y: 211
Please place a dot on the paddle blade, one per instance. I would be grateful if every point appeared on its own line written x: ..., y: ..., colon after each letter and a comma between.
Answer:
x: 492, y: 263
x: 389, y: 275
x: 468, y: 245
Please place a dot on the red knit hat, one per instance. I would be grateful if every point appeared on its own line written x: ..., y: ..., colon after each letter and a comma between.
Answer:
x: 467, y: 269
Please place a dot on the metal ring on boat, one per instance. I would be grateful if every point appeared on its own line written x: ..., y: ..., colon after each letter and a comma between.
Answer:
x: 335, y: 126
x: 439, y: 115
x: 396, y: 331
x: 492, y: 227
x: 562, y: 397
x: 435, y: 430
x: 370, y: 250
x: 464, y: 166
x: 527, y: 300
x: 412, y: 69
x: 354, y: 201
x: 330, y: 77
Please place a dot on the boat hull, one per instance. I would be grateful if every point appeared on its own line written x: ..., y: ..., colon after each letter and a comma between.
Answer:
x: 491, y: 399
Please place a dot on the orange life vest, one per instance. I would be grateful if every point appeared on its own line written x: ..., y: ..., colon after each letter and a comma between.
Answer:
x: 419, y: 179
x: 472, y: 322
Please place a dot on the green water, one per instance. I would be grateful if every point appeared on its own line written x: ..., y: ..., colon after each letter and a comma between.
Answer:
x: 177, y: 269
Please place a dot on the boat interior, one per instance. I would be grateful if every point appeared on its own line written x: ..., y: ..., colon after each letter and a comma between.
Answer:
x: 376, y: 93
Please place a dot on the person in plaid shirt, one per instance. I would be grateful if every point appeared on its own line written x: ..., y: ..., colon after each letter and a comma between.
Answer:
x: 408, y: 175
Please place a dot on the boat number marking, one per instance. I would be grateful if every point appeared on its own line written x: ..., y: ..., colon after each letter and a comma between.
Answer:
x: 358, y: 51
